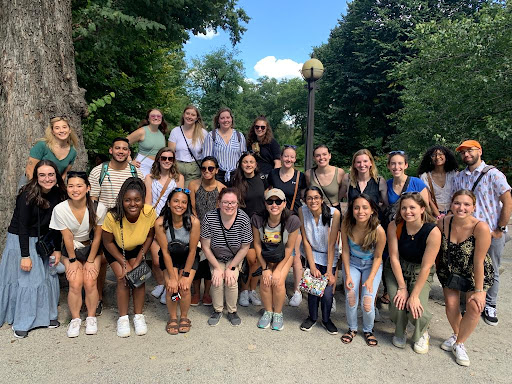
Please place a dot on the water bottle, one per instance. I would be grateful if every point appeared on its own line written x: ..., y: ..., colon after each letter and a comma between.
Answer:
x: 51, y: 264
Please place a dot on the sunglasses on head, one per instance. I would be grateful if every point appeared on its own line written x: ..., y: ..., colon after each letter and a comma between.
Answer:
x: 209, y: 169
x: 166, y: 158
x: 271, y: 201
x: 260, y: 127
x: 184, y: 190
x: 290, y: 146
x: 76, y: 174
x: 249, y: 152
x: 396, y: 153
x: 408, y: 194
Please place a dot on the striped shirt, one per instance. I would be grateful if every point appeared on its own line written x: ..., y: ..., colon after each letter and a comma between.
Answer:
x: 239, y: 233
x: 156, y: 190
x: 226, y: 154
x: 109, y: 189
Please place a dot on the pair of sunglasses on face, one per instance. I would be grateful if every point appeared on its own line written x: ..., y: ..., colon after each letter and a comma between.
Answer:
x: 166, y: 158
x: 274, y: 201
x: 209, y: 169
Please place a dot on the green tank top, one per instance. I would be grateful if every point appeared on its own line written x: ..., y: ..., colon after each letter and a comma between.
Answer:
x: 152, y: 142
x: 330, y: 191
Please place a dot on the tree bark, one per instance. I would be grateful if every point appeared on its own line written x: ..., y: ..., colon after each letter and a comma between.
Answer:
x: 37, y: 81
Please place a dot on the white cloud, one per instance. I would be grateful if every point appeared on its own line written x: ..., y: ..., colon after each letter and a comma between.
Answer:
x: 210, y: 34
x: 278, y: 68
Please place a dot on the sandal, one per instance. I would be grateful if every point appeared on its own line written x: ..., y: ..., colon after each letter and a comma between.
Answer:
x: 348, y: 337
x: 370, y: 339
x: 172, y: 327
x: 185, y: 325
x: 384, y: 299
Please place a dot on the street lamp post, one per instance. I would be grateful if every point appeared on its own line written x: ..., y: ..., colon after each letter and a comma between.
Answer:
x: 312, y: 70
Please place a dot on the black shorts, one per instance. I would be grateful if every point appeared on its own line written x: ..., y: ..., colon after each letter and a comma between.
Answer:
x: 180, y: 264
x: 203, y: 272
x: 128, y: 254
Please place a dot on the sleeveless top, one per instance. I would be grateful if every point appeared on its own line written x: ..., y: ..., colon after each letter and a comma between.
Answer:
x: 330, y: 191
x: 205, y: 201
x: 318, y: 237
x: 156, y: 189
x: 152, y: 142
x: 180, y: 234
x: 412, y: 248
x: 371, y: 189
x: 356, y: 251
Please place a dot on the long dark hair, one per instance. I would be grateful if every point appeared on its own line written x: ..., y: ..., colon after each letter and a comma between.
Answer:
x: 285, y: 215
x: 349, y: 222
x: 130, y: 184
x: 163, y: 125
x: 326, y: 212
x: 34, y: 191
x: 251, y: 136
x: 167, y: 214
x: 156, y: 170
x: 239, y: 179
x: 88, y: 201
x: 427, y: 164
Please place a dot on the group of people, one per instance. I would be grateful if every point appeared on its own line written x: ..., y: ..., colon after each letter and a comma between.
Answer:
x: 233, y: 211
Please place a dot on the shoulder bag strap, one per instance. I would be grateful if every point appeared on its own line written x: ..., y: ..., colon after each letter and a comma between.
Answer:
x: 224, y: 233
x: 189, y: 150
x: 163, y: 191
x: 38, y: 225
x: 431, y: 187
x: 399, y: 229
x: 448, y: 242
x: 122, y: 247
x: 296, y: 189
x: 320, y: 185
x: 486, y: 169
x: 407, y: 181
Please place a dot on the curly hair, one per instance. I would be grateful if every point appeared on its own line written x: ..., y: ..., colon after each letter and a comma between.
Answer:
x: 156, y: 170
x: 427, y: 165
x: 130, y: 184
x: 34, y: 190
x: 251, y: 136
x: 353, y: 171
x: 349, y: 223
x: 163, y: 125
x: 198, y: 134
x: 167, y: 213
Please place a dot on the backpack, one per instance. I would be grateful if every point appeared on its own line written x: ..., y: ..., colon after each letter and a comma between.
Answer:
x: 104, y: 171
x: 214, y: 137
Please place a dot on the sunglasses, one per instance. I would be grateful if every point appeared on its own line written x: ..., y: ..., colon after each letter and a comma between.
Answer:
x: 408, y: 194
x: 290, y: 146
x: 166, y: 158
x: 249, y: 152
x: 155, y: 116
x: 209, y: 169
x: 274, y: 201
x: 260, y: 127
x: 392, y: 153
x: 184, y: 190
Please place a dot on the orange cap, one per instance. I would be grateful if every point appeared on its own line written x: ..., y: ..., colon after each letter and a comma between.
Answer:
x: 469, y: 144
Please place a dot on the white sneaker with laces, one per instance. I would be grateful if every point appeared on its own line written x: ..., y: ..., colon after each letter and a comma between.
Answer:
x: 74, y: 327
x: 157, y: 292
x: 461, y: 356
x: 449, y: 343
x: 123, y: 326
x: 254, y: 298
x: 421, y: 346
x: 139, y: 322
x: 296, y: 299
x: 243, y: 300
x: 91, y: 326
x: 163, y: 297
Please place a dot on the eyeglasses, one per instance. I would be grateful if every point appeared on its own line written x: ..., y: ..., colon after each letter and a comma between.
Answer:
x: 209, y: 169
x: 436, y: 155
x: 184, y: 190
x: 469, y: 150
x: 392, y: 153
x: 166, y: 158
x: 229, y: 203
x: 155, y: 116
x: 274, y: 201
x: 290, y: 146
x: 260, y: 127
x: 313, y: 198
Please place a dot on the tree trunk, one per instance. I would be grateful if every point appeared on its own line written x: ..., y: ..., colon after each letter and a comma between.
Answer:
x: 37, y: 81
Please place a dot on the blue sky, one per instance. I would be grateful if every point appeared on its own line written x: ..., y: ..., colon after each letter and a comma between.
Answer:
x: 280, y: 35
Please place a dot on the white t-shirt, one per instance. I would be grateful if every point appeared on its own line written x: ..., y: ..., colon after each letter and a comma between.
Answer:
x: 443, y: 195
x: 182, y: 153
x: 63, y: 218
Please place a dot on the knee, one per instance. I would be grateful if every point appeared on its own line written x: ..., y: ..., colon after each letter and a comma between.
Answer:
x: 90, y: 285
x: 472, y: 309
x: 367, y: 303
x: 351, y: 296
x: 75, y: 286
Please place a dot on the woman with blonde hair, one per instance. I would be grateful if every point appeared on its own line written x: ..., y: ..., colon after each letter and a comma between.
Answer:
x: 187, y: 141
x: 160, y: 182
x: 58, y: 145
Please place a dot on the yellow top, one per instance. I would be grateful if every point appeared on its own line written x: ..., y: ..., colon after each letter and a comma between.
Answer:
x: 134, y: 234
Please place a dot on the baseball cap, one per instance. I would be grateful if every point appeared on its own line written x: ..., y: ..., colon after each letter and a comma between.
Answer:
x: 275, y: 192
x: 469, y: 144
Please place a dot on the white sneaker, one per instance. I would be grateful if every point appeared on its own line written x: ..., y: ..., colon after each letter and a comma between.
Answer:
x: 163, y: 297
x: 449, y: 343
x: 243, y: 300
x: 91, y: 326
x: 333, y: 306
x: 421, y: 346
x: 157, y: 292
x: 139, y: 322
x: 296, y: 299
x: 254, y: 298
x: 123, y: 326
x: 461, y: 356
x: 74, y: 327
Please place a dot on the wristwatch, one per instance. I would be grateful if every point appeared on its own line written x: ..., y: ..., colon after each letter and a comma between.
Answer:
x: 502, y: 228
x: 233, y: 268
x: 72, y: 260
x: 186, y: 274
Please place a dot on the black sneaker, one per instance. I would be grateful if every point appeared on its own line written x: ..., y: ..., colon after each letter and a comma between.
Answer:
x: 234, y: 319
x: 490, y: 315
x: 330, y: 327
x: 20, y: 334
x: 99, y: 308
x: 54, y: 324
x: 307, y: 324
x: 214, y: 319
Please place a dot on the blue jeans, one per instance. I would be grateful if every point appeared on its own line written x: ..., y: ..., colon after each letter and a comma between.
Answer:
x: 495, y: 252
x: 359, y: 271
x: 325, y: 300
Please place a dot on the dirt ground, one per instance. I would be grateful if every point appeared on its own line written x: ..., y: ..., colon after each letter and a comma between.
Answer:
x: 226, y: 354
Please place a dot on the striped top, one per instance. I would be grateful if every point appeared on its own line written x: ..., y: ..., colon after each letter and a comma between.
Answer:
x: 226, y: 154
x: 356, y: 251
x: 156, y: 190
x: 239, y: 233
x: 109, y: 189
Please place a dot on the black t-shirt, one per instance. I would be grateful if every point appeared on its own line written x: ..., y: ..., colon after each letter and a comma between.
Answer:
x: 268, y: 153
x: 288, y: 188
x: 410, y: 249
x: 254, y: 198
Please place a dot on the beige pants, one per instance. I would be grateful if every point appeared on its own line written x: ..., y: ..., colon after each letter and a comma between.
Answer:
x: 231, y: 293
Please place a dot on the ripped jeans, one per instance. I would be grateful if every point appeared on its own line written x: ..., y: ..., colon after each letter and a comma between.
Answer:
x: 359, y: 271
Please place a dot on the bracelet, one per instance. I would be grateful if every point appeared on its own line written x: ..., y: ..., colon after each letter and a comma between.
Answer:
x: 399, y: 289
x: 90, y: 261
x: 25, y: 257
x: 479, y: 290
